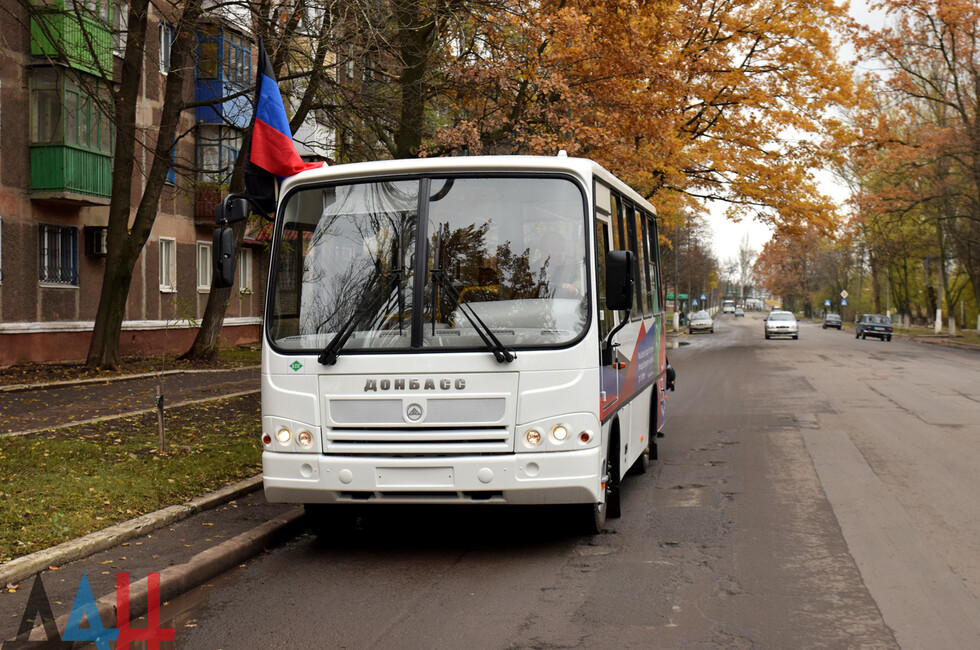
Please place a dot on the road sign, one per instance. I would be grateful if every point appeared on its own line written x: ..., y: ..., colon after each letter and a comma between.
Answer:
x: 826, y: 303
x: 694, y: 301
x: 703, y: 297
x: 843, y: 302
x: 843, y: 294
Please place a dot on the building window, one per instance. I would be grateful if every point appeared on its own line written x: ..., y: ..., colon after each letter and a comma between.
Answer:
x: 168, y: 265
x: 166, y: 42
x: 245, y: 270
x: 204, y: 266
x: 63, y: 111
x: 58, y: 255
x: 172, y: 172
x: 236, y: 59
x: 217, y: 149
x: 120, y: 27
x: 208, y: 56
x: 96, y: 241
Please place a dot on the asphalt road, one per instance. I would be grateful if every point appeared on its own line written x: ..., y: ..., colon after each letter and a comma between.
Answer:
x: 813, y: 493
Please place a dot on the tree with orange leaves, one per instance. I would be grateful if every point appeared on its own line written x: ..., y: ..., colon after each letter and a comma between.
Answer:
x: 687, y: 101
x: 788, y: 267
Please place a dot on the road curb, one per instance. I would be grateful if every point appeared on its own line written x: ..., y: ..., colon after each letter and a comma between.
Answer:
x: 178, y: 580
x: 76, y: 549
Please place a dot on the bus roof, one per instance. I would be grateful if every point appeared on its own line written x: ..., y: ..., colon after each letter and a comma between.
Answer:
x: 581, y: 167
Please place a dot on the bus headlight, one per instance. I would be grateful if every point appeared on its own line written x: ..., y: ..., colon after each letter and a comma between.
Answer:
x: 283, y: 435
x: 533, y: 437
x: 559, y: 432
x: 305, y: 438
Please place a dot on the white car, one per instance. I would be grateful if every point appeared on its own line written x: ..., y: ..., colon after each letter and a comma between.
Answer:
x: 781, y: 323
x: 700, y: 322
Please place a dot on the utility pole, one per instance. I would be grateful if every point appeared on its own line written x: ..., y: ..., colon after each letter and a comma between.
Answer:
x: 677, y: 281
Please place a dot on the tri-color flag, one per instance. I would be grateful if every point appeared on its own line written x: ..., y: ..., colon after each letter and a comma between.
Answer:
x: 272, y: 152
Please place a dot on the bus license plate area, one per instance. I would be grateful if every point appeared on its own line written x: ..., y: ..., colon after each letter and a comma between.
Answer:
x: 415, y: 477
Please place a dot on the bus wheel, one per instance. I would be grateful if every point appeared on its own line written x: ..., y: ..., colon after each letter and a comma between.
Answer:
x: 643, y: 462
x: 613, y: 508
x: 593, y: 518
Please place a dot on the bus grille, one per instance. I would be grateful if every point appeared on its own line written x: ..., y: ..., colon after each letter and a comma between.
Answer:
x: 439, y: 411
x: 418, y: 442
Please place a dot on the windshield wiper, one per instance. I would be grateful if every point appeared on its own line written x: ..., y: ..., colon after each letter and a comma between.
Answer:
x: 328, y: 356
x: 501, y: 353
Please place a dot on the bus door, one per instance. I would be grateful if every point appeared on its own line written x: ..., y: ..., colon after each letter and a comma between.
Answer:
x: 611, y: 377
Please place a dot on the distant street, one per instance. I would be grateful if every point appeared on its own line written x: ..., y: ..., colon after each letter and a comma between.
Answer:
x: 812, y: 493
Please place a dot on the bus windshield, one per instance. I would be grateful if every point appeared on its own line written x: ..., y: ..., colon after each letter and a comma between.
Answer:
x: 508, y: 250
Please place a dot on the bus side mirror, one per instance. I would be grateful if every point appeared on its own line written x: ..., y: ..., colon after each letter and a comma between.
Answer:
x: 231, y: 210
x: 224, y: 257
x: 619, y: 280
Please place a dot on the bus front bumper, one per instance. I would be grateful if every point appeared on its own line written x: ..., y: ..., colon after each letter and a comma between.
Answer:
x: 542, y: 478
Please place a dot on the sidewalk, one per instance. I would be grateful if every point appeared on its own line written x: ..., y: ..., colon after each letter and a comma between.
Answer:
x: 226, y: 529
x: 187, y: 543
x: 30, y: 408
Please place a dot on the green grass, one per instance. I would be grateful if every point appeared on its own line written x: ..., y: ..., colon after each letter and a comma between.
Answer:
x: 57, y: 486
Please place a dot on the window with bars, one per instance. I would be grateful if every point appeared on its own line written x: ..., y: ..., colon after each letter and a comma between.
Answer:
x: 58, y: 255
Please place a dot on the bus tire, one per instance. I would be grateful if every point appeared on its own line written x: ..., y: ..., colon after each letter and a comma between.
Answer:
x: 593, y: 517
x: 642, y: 463
x: 613, y: 455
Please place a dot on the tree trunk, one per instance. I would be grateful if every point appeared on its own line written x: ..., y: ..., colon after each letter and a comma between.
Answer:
x: 207, y: 342
x: 103, y: 349
x: 415, y: 36
x: 126, y: 240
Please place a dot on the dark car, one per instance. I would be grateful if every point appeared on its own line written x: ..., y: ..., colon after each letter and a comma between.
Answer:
x: 874, y: 325
x: 832, y: 320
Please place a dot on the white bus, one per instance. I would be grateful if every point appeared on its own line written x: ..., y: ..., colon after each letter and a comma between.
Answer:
x: 480, y: 330
x: 728, y: 307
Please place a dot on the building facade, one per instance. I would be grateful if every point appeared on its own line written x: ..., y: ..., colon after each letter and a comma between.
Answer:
x: 58, y: 62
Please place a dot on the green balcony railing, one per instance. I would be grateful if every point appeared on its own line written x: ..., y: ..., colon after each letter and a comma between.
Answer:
x: 62, y: 169
x: 82, y: 42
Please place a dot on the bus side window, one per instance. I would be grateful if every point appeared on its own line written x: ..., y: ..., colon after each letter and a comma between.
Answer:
x: 606, y: 322
x: 653, y: 261
x: 632, y: 221
x: 643, y: 258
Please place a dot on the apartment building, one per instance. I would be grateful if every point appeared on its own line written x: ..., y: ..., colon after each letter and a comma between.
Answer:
x: 56, y: 158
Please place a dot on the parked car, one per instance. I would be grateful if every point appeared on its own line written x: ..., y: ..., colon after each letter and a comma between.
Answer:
x: 832, y: 320
x: 700, y: 322
x: 781, y: 323
x: 739, y: 312
x: 874, y: 325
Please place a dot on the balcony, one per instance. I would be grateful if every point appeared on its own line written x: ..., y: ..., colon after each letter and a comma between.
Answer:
x: 84, y: 43
x: 206, y: 197
x: 63, y: 173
